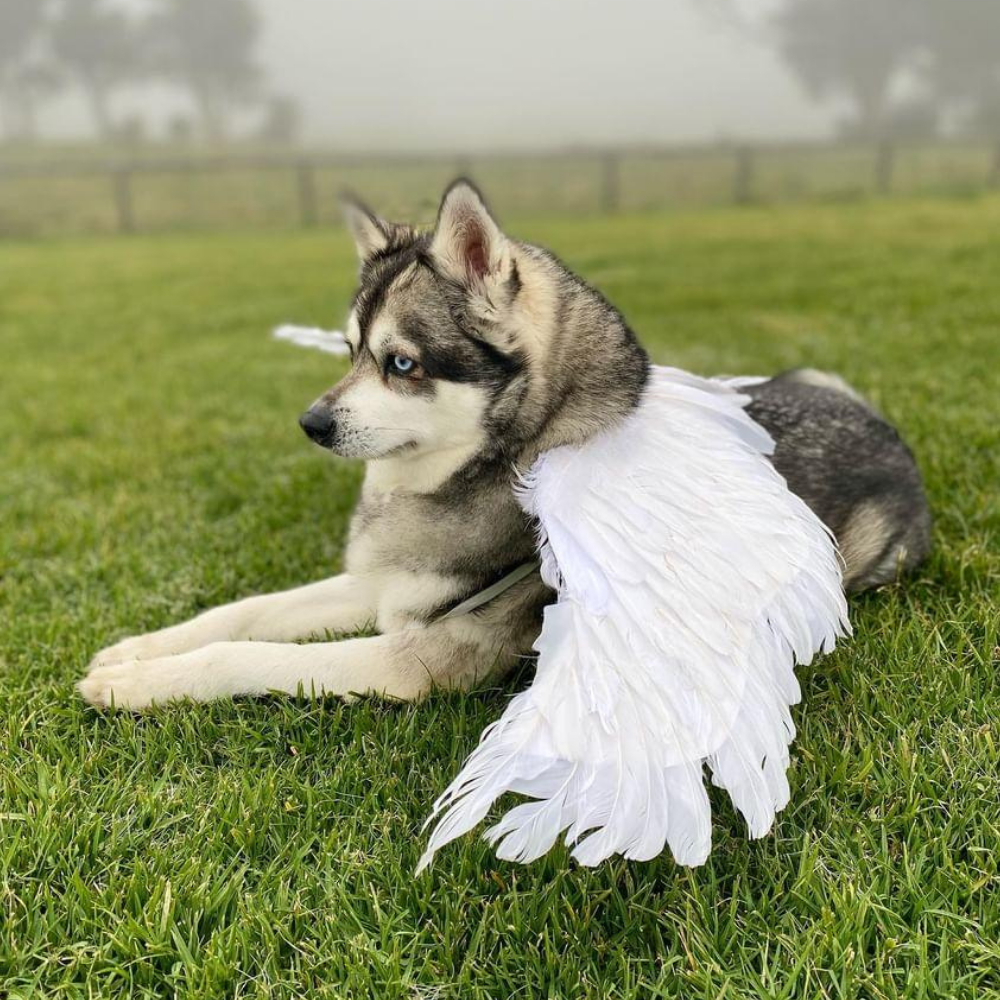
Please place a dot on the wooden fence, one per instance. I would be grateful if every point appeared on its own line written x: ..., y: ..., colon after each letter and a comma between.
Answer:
x: 301, y: 190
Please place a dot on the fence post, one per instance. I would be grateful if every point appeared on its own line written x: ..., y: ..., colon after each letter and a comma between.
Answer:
x: 884, y: 162
x: 994, y: 179
x: 743, y: 176
x: 610, y: 182
x: 306, y: 186
x: 122, y: 187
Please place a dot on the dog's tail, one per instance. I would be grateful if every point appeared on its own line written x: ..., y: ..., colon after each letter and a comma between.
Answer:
x: 825, y: 380
x: 850, y: 465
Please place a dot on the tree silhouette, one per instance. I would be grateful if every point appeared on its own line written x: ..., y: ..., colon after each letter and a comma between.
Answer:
x: 282, y: 121
x: 963, y: 43
x: 207, y: 47
x: 852, y: 48
x: 36, y: 81
x: 97, y: 46
x: 21, y: 23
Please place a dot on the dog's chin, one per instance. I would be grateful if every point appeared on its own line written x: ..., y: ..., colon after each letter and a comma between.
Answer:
x: 369, y: 451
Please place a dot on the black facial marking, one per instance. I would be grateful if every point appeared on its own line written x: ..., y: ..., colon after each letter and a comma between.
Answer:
x: 460, y: 357
x: 514, y: 281
x: 508, y: 365
x: 377, y: 276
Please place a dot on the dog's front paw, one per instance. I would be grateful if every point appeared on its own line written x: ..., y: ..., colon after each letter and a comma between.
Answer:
x: 151, y: 646
x: 137, y: 684
x: 120, y: 652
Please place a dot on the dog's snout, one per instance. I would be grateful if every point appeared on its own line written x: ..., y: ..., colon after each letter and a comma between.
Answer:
x: 319, y: 424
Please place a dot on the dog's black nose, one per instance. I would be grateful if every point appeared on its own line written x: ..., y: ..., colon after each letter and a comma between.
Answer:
x: 319, y: 425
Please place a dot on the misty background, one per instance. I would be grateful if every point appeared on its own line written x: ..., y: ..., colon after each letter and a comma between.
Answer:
x: 464, y: 75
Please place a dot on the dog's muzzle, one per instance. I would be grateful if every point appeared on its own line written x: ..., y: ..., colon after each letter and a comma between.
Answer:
x: 319, y: 425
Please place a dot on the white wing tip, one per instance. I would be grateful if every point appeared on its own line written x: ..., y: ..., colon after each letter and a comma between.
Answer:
x: 328, y: 341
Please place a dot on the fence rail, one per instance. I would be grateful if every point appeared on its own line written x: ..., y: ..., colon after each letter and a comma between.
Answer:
x: 128, y: 195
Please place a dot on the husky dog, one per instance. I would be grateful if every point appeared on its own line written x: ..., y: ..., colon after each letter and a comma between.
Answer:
x: 472, y: 353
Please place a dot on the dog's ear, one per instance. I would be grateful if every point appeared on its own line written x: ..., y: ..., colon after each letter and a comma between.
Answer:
x: 371, y: 234
x: 467, y: 244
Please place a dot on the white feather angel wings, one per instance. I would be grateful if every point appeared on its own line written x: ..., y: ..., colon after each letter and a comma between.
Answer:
x: 690, y: 582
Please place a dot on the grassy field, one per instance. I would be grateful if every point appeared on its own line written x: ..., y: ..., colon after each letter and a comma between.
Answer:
x: 151, y: 466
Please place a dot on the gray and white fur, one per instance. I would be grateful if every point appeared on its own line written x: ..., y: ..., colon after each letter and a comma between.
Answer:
x: 471, y: 354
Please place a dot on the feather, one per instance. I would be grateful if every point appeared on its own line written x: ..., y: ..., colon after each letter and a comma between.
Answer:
x: 690, y: 583
x: 328, y: 341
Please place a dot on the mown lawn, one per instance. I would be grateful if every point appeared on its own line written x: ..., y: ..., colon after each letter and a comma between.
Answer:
x: 151, y: 466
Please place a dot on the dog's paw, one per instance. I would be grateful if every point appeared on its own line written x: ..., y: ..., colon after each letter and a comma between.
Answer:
x: 153, y: 645
x: 120, y: 652
x: 136, y: 685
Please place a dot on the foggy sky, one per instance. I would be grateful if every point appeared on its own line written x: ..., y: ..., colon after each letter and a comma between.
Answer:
x: 487, y: 74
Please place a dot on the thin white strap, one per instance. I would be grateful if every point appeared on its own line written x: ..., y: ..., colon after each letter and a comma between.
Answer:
x: 494, y: 590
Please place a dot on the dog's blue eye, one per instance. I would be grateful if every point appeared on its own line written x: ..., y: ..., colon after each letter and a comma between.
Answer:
x: 401, y: 364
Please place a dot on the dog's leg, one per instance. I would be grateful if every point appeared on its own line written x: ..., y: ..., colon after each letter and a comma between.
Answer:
x: 341, y: 604
x: 403, y: 665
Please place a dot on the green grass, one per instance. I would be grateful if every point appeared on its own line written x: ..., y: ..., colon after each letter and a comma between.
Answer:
x: 151, y: 466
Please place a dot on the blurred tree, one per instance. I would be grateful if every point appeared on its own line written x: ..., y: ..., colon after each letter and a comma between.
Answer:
x: 180, y: 130
x: 131, y: 130
x: 985, y: 118
x: 282, y: 121
x: 962, y: 39
x: 914, y: 119
x: 207, y: 46
x: 97, y: 46
x: 34, y: 82
x: 853, y: 48
x: 21, y: 23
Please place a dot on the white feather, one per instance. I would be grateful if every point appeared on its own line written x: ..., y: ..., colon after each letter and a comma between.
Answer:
x: 328, y: 341
x: 690, y: 582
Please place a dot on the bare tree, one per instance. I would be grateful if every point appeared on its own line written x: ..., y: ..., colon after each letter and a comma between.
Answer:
x: 97, y: 46
x: 21, y: 23
x: 207, y: 46
x: 851, y: 48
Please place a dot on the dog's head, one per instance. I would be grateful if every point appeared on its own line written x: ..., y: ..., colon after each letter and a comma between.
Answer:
x: 438, y: 350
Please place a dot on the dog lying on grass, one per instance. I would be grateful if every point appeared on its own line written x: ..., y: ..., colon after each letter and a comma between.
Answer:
x: 472, y: 353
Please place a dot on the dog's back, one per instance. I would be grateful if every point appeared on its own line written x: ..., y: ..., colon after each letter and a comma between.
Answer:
x: 851, y: 467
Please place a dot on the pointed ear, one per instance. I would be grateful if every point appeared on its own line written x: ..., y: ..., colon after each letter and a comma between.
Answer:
x: 467, y: 244
x: 370, y: 233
